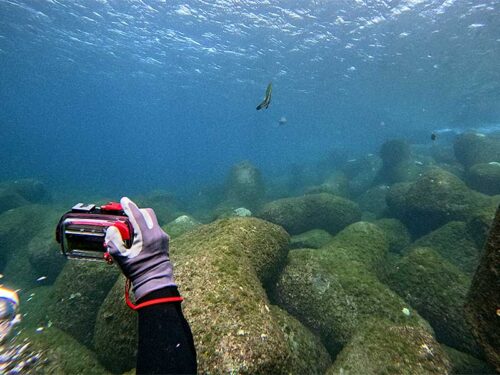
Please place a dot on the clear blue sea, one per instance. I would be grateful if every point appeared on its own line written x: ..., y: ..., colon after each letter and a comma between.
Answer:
x: 120, y: 97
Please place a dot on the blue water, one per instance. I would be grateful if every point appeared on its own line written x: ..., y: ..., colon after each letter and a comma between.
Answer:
x: 120, y: 97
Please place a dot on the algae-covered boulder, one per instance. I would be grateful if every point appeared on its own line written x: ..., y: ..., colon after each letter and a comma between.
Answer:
x: 78, y: 292
x: 245, y: 186
x: 181, y: 225
x: 396, y: 234
x: 478, y: 227
x: 44, y: 255
x: 115, y: 332
x: 437, y: 290
x: 472, y: 148
x: 307, y: 353
x: 465, y: 364
x: 361, y: 172
x: 374, y: 200
x: 314, y: 211
x: 58, y: 353
x: 219, y: 269
x: 383, y: 347
x: 483, y: 298
x: 485, y: 177
x: 312, y: 239
x: 453, y: 243
x: 434, y: 199
x: 333, y: 289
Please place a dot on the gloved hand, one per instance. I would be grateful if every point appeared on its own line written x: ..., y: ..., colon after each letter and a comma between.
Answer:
x: 146, y: 263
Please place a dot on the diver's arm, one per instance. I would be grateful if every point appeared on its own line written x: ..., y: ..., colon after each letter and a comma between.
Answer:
x: 166, y: 343
x: 165, y: 339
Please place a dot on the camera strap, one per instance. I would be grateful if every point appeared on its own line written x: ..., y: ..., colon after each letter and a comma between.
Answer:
x: 155, y: 301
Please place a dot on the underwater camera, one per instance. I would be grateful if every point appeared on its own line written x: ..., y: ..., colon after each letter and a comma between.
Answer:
x: 81, y: 231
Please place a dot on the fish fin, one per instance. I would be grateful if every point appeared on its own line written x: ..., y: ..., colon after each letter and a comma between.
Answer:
x: 261, y: 105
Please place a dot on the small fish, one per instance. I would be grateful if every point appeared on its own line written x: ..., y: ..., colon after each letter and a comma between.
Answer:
x: 267, y: 100
x: 282, y: 120
x: 41, y: 278
x: 433, y: 136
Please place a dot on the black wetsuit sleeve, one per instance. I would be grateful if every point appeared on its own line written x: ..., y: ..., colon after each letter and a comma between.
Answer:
x: 166, y: 343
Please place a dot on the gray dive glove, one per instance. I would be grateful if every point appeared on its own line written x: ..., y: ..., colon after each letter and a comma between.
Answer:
x: 146, y: 263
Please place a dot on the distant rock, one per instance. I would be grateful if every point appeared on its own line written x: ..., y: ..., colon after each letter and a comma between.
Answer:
x: 164, y: 204
x: 245, y: 186
x: 485, y: 178
x: 434, y: 199
x: 311, y: 211
x: 396, y: 163
x: 473, y: 148
x: 181, y: 225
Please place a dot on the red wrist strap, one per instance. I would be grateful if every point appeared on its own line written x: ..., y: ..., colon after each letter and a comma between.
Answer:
x: 150, y: 302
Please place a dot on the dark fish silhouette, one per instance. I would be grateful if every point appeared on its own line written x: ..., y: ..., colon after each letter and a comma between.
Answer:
x: 267, y: 100
x: 433, y: 136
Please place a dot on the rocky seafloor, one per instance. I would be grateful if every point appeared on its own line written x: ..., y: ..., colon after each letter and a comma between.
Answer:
x: 383, y: 264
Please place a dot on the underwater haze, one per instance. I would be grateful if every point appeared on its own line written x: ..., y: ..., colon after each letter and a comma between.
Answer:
x: 125, y: 96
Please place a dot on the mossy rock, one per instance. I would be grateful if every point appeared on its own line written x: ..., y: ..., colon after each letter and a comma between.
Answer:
x: 472, y: 148
x: 483, y: 299
x: 312, y: 239
x: 396, y: 234
x: 33, y: 307
x: 437, y: 290
x: 465, y: 364
x: 115, y: 332
x: 312, y: 211
x: 78, y: 292
x: 374, y: 200
x: 333, y: 289
x: 219, y: 269
x: 59, y: 353
x: 454, y: 244
x: 478, y: 227
x: 181, y: 225
x: 307, y: 353
x: 485, y: 178
x: 383, y: 347
x: 434, y: 199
